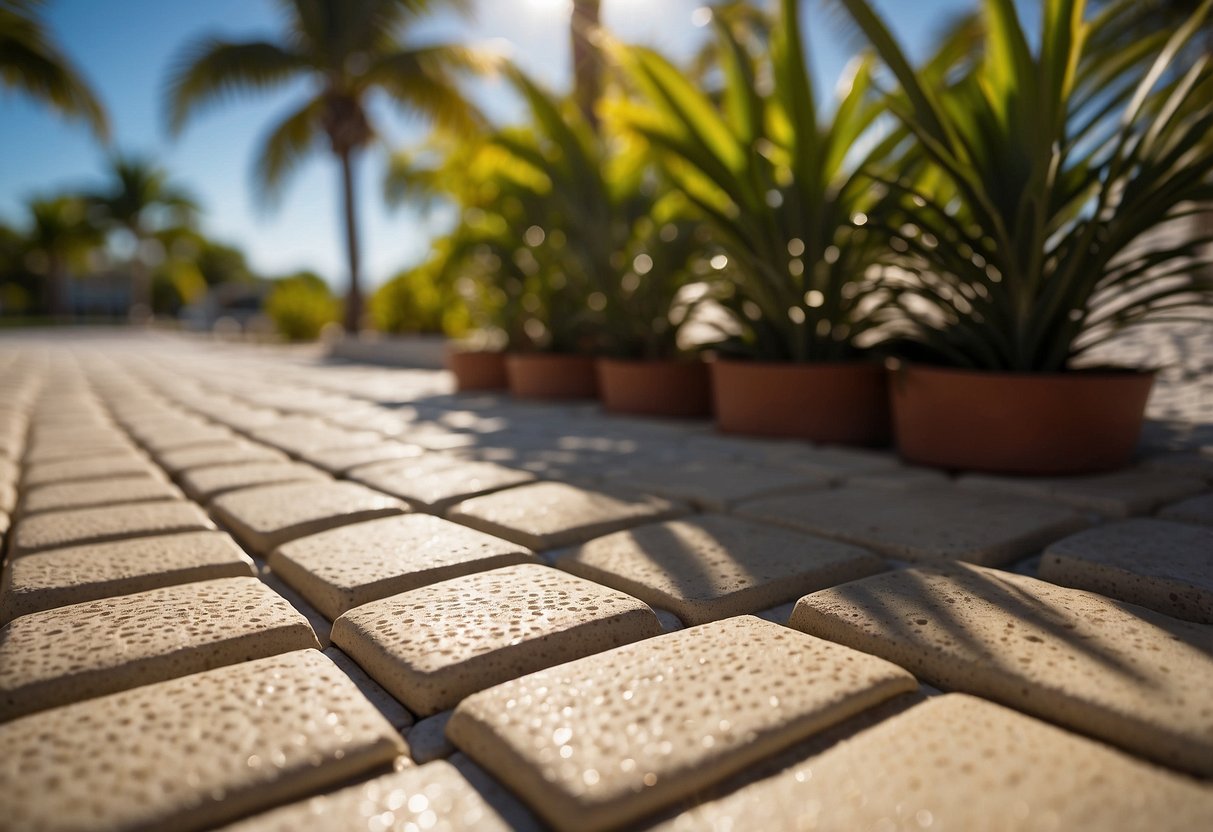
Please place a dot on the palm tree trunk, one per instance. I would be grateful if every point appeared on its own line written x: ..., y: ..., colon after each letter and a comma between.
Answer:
x: 353, y: 298
x: 587, y: 57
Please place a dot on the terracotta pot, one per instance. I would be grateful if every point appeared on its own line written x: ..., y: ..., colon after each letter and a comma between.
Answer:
x: 548, y: 376
x: 845, y: 403
x: 673, y: 389
x: 477, y: 370
x: 1019, y: 423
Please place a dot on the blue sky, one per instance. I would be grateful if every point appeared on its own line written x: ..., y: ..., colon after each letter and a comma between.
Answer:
x: 126, y: 46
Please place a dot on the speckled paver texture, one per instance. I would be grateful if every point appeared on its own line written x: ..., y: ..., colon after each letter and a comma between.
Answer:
x: 245, y: 587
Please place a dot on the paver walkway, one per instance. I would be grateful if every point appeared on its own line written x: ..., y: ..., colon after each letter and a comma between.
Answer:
x: 542, y: 616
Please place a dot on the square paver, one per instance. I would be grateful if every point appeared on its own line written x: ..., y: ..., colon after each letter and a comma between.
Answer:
x: 436, y: 797
x: 432, y: 647
x: 937, y: 523
x: 89, y: 468
x: 545, y: 515
x: 1115, y: 671
x: 228, y: 453
x: 1165, y: 566
x: 56, y: 449
x: 711, y: 567
x: 1193, y: 510
x: 268, y: 516
x: 194, y: 752
x: 205, y: 484
x: 341, y: 460
x: 346, y: 567
x: 1119, y: 494
x: 436, y: 488
x: 299, y: 437
x: 75, y: 527
x: 72, y: 575
x: 716, y: 486
x: 69, y: 654
x: 602, y: 741
x: 957, y: 762
x: 94, y: 493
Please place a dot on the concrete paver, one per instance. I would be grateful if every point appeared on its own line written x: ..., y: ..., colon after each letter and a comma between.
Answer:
x: 1118, y: 672
x: 193, y: 752
x: 925, y: 524
x: 957, y: 762
x: 434, y: 646
x: 340, y: 460
x: 545, y: 515
x: 75, y: 574
x: 205, y: 484
x: 435, y: 797
x: 444, y: 485
x: 603, y: 741
x: 716, y: 486
x: 228, y: 453
x: 267, y: 516
x: 89, y: 468
x: 1119, y: 494
x: 94, y: 493
x: 1193, y: 510
x: 711, y: 567
x: 75, y: 527
x: 1158, y: 564
x: 346, y: 567
x: 69, y: 654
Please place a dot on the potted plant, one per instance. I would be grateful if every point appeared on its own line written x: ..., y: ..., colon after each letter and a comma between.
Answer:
x: 1031, y: 239
x: 605, y: 266
x: 787, y: 201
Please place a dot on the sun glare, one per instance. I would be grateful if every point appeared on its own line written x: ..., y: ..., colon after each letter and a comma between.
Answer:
x: 555, y: 8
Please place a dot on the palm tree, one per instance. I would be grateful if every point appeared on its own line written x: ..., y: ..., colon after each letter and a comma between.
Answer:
x: 60, y: 235
x: 31, y: 63
x: 349, y: 49
x: 139, y: 200
x: 587, y: 57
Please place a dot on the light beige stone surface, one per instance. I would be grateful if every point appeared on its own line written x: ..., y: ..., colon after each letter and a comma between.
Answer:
x: 444, y: 485
x: 1193, y: 510
x: 268, y: 516
x: 54, y: 449
x: 343, y: 568
x: 204, y: 484
x: 603, y: 741
x: 89, y: 468
x: 1119, y: 672
x: 93, y: 493
x: 937, y: 523
x: 957, y: 762
x: 830, y: 461
x: 393, y: 711
x: 75, y: 574
x: 1119, y: 494
x: 714, y: 566
x: 716, y: 486
x: 1165, y: 566
x: 427, y: 740
x: 303, y: 436
x: 435, y: 797
x: 69, y: 654
x: 436, y: 645
x: 193, y: 752
x: 545, y: 515
x: 189, y: 435
x: 341, y: 460
x: 228, y: 453
x: 75, y: 527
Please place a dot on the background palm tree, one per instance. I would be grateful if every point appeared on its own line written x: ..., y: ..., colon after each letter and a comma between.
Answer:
x: 33, y: 64
x: 348, y: 48
x: 60, y: 236
x: 587, y: 57
x: 140, y: 199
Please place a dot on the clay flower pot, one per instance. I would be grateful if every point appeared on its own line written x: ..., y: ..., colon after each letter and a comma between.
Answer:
x: 550, y: 376
x: 1019, y: 423
x: 671, y: 389
x: 475, y: 370
x: 844, y: 403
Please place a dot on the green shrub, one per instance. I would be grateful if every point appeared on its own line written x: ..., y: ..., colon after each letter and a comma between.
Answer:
x: 418, y: 301
x: 301, y: 306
